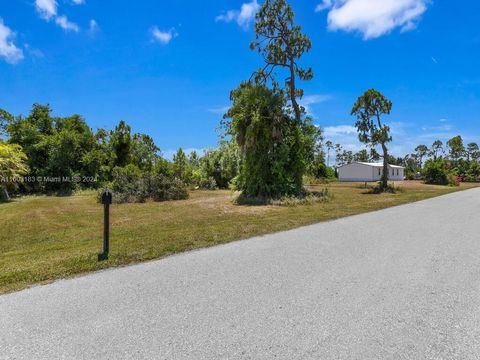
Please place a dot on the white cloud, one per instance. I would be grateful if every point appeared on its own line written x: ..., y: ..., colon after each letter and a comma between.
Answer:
x: 308, y: 100
x: 163, y: 37
x: 326, y: 4
x: 243, y: 17
x: 373, y: 18
x: 35, y: 53
x: 8, y: 51
x: 46, y: 8
x: 66, y: 24
x: 220, y: 110
x: 78, y: 2
x: 334, y: 131
x: 92, y: 27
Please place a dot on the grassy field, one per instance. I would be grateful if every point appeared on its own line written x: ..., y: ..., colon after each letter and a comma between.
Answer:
x: 44, y: 238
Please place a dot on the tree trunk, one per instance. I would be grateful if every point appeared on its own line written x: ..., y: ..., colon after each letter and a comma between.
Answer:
x: 293, y: 95
x: 5, y: 192
x: 384, y: 181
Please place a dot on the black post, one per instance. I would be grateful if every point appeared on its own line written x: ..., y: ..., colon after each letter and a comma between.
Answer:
x: 106, y: 200
x: 106, y: 229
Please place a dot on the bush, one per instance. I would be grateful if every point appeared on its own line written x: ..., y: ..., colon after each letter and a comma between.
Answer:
x: 202, y: 181
x: 436, y: 172
x: 454, y: 180
x: 130, y: 184
x: 409, y: 174
x: 322, y: 171
x: 162, y: 188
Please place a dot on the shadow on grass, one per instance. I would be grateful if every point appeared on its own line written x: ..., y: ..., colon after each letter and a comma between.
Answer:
x: 305, y: 198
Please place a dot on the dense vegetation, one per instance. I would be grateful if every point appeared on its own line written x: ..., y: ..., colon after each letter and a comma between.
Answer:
x: 269, y: 146
x: 58, y: 155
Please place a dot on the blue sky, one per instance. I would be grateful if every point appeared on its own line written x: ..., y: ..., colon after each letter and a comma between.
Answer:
x: 167, y: 67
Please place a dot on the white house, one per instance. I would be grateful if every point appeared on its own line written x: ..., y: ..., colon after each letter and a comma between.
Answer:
x: 361, y: 172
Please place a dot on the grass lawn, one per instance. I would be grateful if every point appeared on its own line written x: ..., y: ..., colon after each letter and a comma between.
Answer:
x: 44, y: 238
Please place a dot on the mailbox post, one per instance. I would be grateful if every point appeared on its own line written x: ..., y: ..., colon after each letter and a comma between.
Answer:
x: 106, y: 201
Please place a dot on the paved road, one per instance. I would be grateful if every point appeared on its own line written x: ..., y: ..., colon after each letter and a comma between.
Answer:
x: 402, y: 283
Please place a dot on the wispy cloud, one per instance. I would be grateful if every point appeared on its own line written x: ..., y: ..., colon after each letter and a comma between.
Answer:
x: 326, y: 4
x: 242, y: 17
x: 373, y: 18
x: 333, y: 131
x: 92, y: 27
x: 308, y: 100
x: 219, y: 110
x: 66, y: 24
x: 8, y: 50
x: 48, y: 10
x: 163, y: 37
x: 33, y: 52
x: 78, y: 2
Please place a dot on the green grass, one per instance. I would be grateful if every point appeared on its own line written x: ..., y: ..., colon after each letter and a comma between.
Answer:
x: 45, y: 238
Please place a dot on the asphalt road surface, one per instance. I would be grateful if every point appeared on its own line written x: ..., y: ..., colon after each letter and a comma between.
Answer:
x: 402, y: 283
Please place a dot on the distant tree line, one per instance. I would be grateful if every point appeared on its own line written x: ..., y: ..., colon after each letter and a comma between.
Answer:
x: 43, y: 154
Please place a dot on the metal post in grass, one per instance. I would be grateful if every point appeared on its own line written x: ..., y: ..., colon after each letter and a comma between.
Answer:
x: 107, y: 198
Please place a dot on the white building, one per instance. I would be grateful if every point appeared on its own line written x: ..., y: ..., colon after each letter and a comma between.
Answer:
x: 361, y: 172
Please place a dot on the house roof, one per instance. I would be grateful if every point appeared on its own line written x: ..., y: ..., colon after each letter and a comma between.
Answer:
x: 376, y: 165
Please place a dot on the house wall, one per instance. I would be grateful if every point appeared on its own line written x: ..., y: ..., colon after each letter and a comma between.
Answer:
x: 356, y: 172
x: 360, y: 172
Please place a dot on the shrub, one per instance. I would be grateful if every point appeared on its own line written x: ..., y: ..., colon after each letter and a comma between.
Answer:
x: 436, y: 172
x: 202, y: 181
x: 409, y: 174
x: 162, y: 188
x: 321, y: 171
x: 130, y: 184
x: 454, y: 180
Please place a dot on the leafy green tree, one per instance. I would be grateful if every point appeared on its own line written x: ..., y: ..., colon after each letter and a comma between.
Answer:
x: 436, y: 172
x: 456, y: 148
x: 344, y: 158
x: 361, y: 156
x: 193, y: 159
x: 12, y: 166
x: 281, y: 43
x: 436, y: 149
x: 5, y: 118
x: 262, y: 129
x: 144, y: 152
x: 180, y: 165
x: 374, y: 155
x: 369, y: 109
x: 218, y: 167
x: 421, y: 151
x: 473, y: 152
x: 55, y: 147
x: 338, y: 152
x: 121, y: 143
